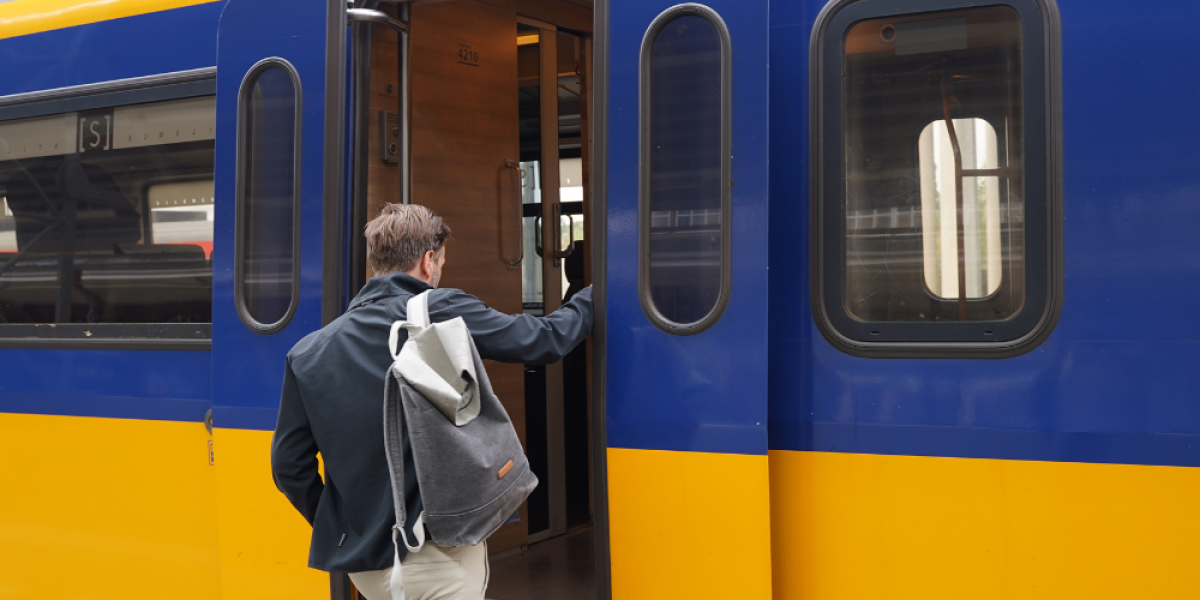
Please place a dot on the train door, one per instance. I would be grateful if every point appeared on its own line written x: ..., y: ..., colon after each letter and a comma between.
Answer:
x: 279, y: 196
x: 495, y: 97
x: 685, y: 299
x: 552, y: 98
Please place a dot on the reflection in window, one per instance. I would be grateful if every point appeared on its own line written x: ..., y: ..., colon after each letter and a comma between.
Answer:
x: 685, y: 183
x: 82, y: 237
x: 531, y: 263
x: 934, y: 226
x: 268, y: 195
x: 571, y: 222
x: 182, y: 211
x: 980, y: 209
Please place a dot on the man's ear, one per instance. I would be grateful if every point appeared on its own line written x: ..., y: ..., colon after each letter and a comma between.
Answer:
x: 427, y: 264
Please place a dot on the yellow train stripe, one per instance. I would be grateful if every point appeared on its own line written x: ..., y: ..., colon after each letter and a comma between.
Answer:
x: 23, y: 17
x: 264, y: 541
x: 865, y: 526
x: 689, y: 525
x: 106, y: 509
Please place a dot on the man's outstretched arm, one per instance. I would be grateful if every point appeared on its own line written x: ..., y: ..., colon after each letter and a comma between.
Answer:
x: 294, y: 452
x: 518, y: 338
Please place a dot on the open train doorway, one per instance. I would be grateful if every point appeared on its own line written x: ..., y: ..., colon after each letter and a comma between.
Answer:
x: 497, y: 98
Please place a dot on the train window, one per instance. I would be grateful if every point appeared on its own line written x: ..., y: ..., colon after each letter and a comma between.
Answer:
x: 81, y: 238
x: 268, y: 195
x: 935, y: 197
x: 685, y: 179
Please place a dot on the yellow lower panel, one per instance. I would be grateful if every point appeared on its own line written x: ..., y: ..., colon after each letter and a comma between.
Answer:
x: 688, y: 525
x: 263, y: 540
x: 867, y: 526
x: 23, y: 17
x: 106, y: 509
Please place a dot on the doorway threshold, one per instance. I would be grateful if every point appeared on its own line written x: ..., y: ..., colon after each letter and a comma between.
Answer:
x: 562, y: 568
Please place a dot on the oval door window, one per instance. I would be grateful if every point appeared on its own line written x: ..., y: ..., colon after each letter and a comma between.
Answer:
x: 685, y: 169
x: 268, y: 190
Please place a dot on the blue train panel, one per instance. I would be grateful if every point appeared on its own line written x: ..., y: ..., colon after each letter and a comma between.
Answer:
x: 1114, y: 383
x: 279, y: 58
x: 126, y: 384
x: 688, y: 392
x: 139, y: 384
x: 158, y: 42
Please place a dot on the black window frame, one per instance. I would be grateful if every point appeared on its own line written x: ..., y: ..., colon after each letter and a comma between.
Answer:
x: 239, y: 275
x: 1041, y: 97
x: 109, y: 94
x: 644, y: 142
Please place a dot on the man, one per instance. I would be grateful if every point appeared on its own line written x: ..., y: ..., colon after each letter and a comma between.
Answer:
x: 332, y: 403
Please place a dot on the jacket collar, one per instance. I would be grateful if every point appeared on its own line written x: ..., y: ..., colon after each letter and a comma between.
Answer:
x: 392, y: 284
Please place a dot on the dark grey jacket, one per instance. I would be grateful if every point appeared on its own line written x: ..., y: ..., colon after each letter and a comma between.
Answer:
x: 332, y: 403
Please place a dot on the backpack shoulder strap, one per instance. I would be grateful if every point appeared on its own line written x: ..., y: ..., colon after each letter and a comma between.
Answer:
x: 418, y: 309
x: 416, y: 319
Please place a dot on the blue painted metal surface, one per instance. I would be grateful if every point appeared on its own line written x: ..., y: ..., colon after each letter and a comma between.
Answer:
x: 158, y: 42
x: 131, y: 384
x: 134, y: 384
x: 1117, y: 382
x: 248, y: 366
x: 705, y: 392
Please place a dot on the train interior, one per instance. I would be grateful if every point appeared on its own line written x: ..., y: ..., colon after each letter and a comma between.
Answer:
x: 498, y: 105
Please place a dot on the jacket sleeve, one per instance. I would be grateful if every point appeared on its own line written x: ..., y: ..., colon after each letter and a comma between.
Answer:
x: 518, y: 338
x: 294, y: 451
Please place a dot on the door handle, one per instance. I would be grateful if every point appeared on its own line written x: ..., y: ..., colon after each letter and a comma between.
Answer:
x: 537, y: 236
x: 512, y: 164
x: 559, y: 253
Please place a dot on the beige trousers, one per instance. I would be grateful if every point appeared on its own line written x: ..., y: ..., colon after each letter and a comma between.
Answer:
x: 434, y: 573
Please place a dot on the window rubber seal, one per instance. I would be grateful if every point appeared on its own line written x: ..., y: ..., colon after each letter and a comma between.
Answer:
x: 652, y: 313
x: 239, y: 283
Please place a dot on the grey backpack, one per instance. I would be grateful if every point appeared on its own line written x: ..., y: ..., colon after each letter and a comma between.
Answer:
x: 471, y: 469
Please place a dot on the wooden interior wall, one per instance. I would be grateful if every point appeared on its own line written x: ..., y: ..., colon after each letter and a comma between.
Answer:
x: 464, y: 126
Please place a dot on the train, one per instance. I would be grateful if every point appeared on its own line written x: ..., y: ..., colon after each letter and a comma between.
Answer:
x: 893, y: 299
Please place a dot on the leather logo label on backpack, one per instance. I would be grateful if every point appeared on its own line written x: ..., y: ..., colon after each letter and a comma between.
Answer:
x: 505, y: 469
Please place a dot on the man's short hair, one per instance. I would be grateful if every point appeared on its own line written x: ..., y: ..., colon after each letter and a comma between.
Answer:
x: 401, y: 235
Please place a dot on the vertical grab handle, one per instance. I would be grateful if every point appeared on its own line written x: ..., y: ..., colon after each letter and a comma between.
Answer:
x: 559, y: 253
x: 537, y: 236
x: 512, y: 164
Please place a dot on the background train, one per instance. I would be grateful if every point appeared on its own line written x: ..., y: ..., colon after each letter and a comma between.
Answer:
x: 894, y: 299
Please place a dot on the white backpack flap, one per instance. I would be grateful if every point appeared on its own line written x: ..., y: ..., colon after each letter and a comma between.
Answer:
x: 436, y: 360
